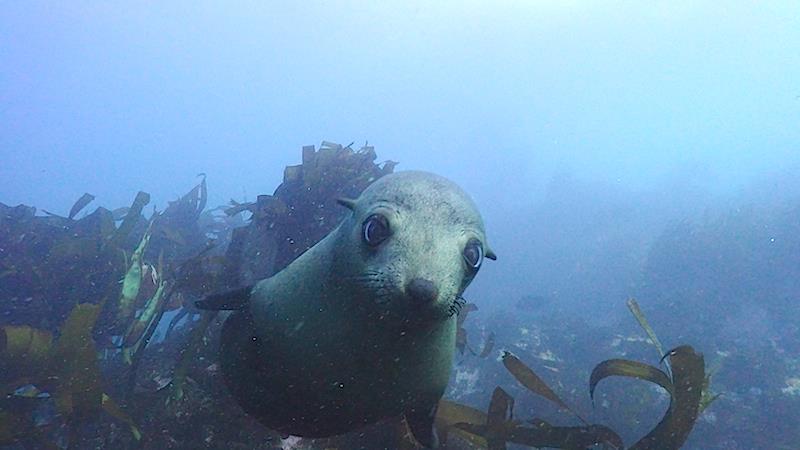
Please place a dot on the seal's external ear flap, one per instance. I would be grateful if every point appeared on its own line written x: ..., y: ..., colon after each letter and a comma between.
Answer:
x: 490, y: 254
x: 348, y: 203
x: 236, y: 299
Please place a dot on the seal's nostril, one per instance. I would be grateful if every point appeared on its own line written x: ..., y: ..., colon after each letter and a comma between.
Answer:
x: 422, y: 290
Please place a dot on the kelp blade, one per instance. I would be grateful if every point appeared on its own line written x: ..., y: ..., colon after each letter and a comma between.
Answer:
x: 501, y: 411
x: 80, y: 204
x: 500, y: 428
x: 74, y: 359
x: 129, y: 222
x: 132, y: 282
x: 450, y: 413
x: 542, y: 434
x: 139, y: 325
x: 528, y: 378
x: 488, y: 346
x: 23, y: 351
x: 111, y: 407
x: 630, y: 369
x: 461, y: 340
x: 688, y: 374
x: 633, y: 305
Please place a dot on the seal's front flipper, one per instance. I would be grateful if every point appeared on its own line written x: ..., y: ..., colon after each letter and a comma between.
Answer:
x: 420, y: 421
x: 236, y: 299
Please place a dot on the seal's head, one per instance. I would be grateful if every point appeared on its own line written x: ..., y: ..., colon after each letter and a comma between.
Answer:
x: 413, y: 243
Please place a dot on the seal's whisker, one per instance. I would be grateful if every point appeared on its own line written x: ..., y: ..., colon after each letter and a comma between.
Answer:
x: 456, y: 305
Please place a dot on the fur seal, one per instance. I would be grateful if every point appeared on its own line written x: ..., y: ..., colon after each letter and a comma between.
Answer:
x: 362, y: 326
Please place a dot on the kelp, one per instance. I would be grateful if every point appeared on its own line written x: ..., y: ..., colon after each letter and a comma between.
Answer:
x: 450, y: 413
x: 133, y: 339
x: 23, y: 349
x: 187, y: 355
x: 132, y: 217
x: 79, y: 391
x: 685, y: 388
x: 630, y: 369
x: 74, y: 360
x: 541, y: 434
x: 119, y: 213
x: 47, y: 258
x: 688, y: 375
x: 12, y: 426
x: 175, y: 230
x: 497, y: 427
x: 633, y: 306
x: 203, y: 273
x: 59, y: 255
x: 500, y: 428
x: 501, y: 413
x: 16, y: 423
x: 133, y: 354
x: 528, y: 378
x: 111, y: 408
x: 134, y: 335
x: 80, y: 204
x: 132, y: 281
x: 301, y: 211
x: 685, y: 384
x: 488, y: 346
x: 237, y: 208
x: 177, y: 318
x: 708, y: 396
x: 67, y: 367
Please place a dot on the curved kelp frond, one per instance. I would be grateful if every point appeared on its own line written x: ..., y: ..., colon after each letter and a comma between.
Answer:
x: 687, y: 385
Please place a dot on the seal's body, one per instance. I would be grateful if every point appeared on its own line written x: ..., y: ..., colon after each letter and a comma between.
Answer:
x: 362, y: 326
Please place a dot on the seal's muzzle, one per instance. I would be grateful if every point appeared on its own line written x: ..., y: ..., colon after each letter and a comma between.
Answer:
x: 422, y: 291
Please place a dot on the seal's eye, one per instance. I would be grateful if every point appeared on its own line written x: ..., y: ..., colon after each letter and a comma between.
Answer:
x: 473, y: 254
x: 376, y: 229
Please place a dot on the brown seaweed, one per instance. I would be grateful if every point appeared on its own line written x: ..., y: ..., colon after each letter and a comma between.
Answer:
x: 542, y: 434
x: 80, y: 204
x: 111, y: 408
x: 501, y: 412
x: 131, y: 218
x: 68, y: 368
x: 630, y: 369
x: 24, y: 350
x: 686, y: 384
x: 74, y: 360
x: 450, y: 413
x: 530, y: 380
x: 488, y: 346
x: 688, y: 376
x: 633, y: 306
x: 500, y: 428
x: 132, y: 282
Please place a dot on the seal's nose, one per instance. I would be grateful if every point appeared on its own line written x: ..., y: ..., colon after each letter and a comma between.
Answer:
x: 422, y: 291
